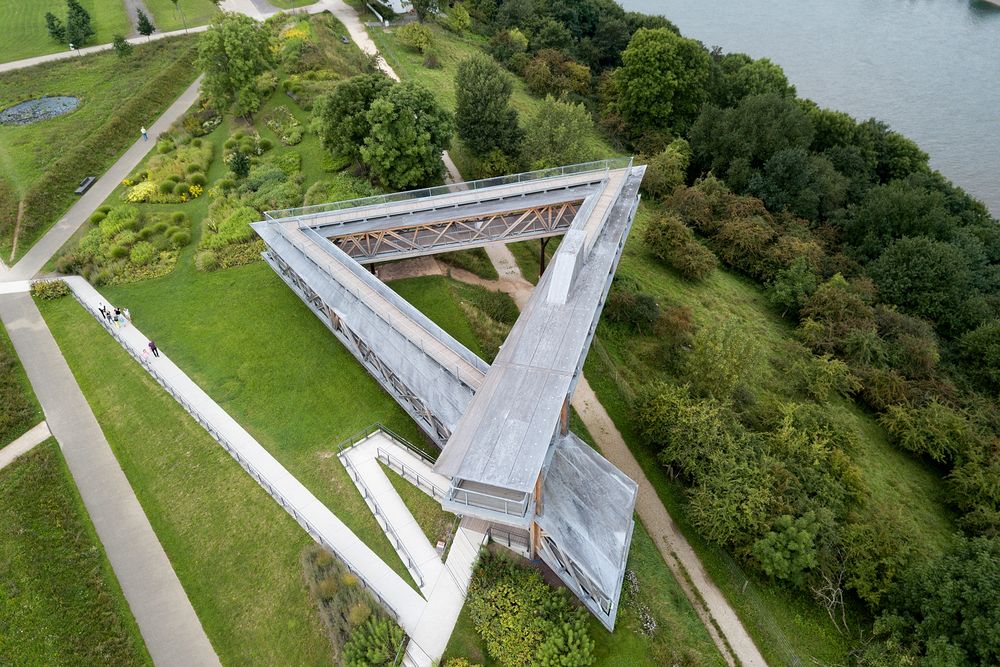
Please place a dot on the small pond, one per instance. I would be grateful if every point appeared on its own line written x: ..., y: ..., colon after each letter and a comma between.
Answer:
x: 39, y: 109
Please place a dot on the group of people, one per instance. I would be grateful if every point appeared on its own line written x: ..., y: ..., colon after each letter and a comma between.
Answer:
x: 120, y: 318
x: 116, y: 316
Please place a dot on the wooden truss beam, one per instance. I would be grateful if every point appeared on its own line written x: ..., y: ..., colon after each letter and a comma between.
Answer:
x: 411, y: 240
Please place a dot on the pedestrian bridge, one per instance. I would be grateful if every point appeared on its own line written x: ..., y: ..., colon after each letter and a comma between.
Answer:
x: 503, y: 428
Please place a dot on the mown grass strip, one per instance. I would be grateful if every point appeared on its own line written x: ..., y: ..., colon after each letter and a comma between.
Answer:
x: 61, y: 601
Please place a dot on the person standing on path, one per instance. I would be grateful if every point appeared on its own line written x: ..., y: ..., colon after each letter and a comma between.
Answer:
x: 128, y: 315
x: 145, y: 135
x: 155, y: 350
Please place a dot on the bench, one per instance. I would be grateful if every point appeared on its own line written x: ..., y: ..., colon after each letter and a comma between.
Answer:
x: 85, y: 185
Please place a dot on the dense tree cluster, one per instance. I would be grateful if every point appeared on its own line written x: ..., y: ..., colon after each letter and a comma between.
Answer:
x: 233, y: 53
x: 397, y: 131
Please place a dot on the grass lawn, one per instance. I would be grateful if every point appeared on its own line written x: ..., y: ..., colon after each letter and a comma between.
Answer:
x: 193, y: 12
x: 105, y: 87
x: 25, y: 34
x: 433, y: 296
x: 19, y: 409
x: 235, y: 550
x: 61, y: 602
x: 783, y: 622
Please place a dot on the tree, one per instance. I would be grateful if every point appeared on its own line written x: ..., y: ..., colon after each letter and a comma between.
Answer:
x: 121, y: 46
x: 556, y: 134
x: 760, y: 77
x: 57, y: 30
x: 793, y: 286
x: 948, y: 608
x: 667, y: 169
x: 980, y: 352
x: 233, y: 53
x: 78, y: 27
x: 806, y: 185
x: 425, y: 8
x: 724, y: 359
x: 178, y: 10
x: 417, y: 36
x: 929, y: 279
x: 662, y: 82
x: 733, y: 143
x: 787, y: 551
x: 144, y: 26
x: 484, y: 118
x: 340, y: 117
x: 409, y: 131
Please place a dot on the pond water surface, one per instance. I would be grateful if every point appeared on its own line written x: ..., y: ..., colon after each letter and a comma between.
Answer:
x: 37, y: 110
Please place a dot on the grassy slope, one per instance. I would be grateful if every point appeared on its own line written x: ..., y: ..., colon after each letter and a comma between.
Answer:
x: 61, y: 602
x: 101, y: 83
x: 451, y: 49
x: 195, y: 12
x: 680, y: 635
x: 20, y: 407
x: 234, y: 549
x: 25, y: 34
x: 781, y: 621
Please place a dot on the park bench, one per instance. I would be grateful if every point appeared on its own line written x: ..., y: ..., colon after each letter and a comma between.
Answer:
x: 85, y: 185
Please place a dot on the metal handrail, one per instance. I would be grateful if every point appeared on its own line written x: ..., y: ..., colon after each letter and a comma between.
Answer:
x: 369, y: 497
x: 404, y: 470
x: 522, y: 504
x: 481, y: 184
x: 254, y: 473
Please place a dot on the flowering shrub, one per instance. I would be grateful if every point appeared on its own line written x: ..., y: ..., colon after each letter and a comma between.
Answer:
x: 196, y: 191
x: 285, y: 125
x: 141, y: 192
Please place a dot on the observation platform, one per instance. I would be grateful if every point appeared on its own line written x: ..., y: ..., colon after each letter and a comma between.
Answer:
x: 503, y: 429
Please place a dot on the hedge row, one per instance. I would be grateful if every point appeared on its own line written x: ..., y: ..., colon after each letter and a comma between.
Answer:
x: 53, y: 194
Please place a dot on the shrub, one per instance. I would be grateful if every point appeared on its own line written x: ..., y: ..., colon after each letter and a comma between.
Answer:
x: 724, y: 359
x: 49, y: 289
x: 824, y: 376
x: 264, y: 145
x: 180, y: 238
x: 167, y: 187
x: 178, y: 218
x: 417, y: 36
x: 374, y: 643
x: 206, y: 260
x: 182, y: 189
x: 667, y: 170
x: 96, y: 217
x: 142, y: 253
x: 104, y: 209
x: 197, y: 178
x: 230, y: 144
x: 670, y: 240
x: 164, y: 146
x: 522, y: 621
x: 191, y: 168
x: 638, y: 310
x: 979, y: 351
x: 934, y: 430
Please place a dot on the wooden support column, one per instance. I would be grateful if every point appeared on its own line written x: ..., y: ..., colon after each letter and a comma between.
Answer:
x: 535, y: 533
x: 564, y: 417
x: 541, y: 254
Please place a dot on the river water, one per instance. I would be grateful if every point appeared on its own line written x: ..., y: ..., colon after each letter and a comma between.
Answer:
x: 929, y: 68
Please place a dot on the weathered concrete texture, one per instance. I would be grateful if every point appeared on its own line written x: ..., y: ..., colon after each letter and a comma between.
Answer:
x: 166, y: 619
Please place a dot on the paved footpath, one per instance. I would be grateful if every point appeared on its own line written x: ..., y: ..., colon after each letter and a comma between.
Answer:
x: 166, y: 619
x: 297, y: 500
x: 24, y: 444
x: 87, y: 50
x: 35, y: 259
